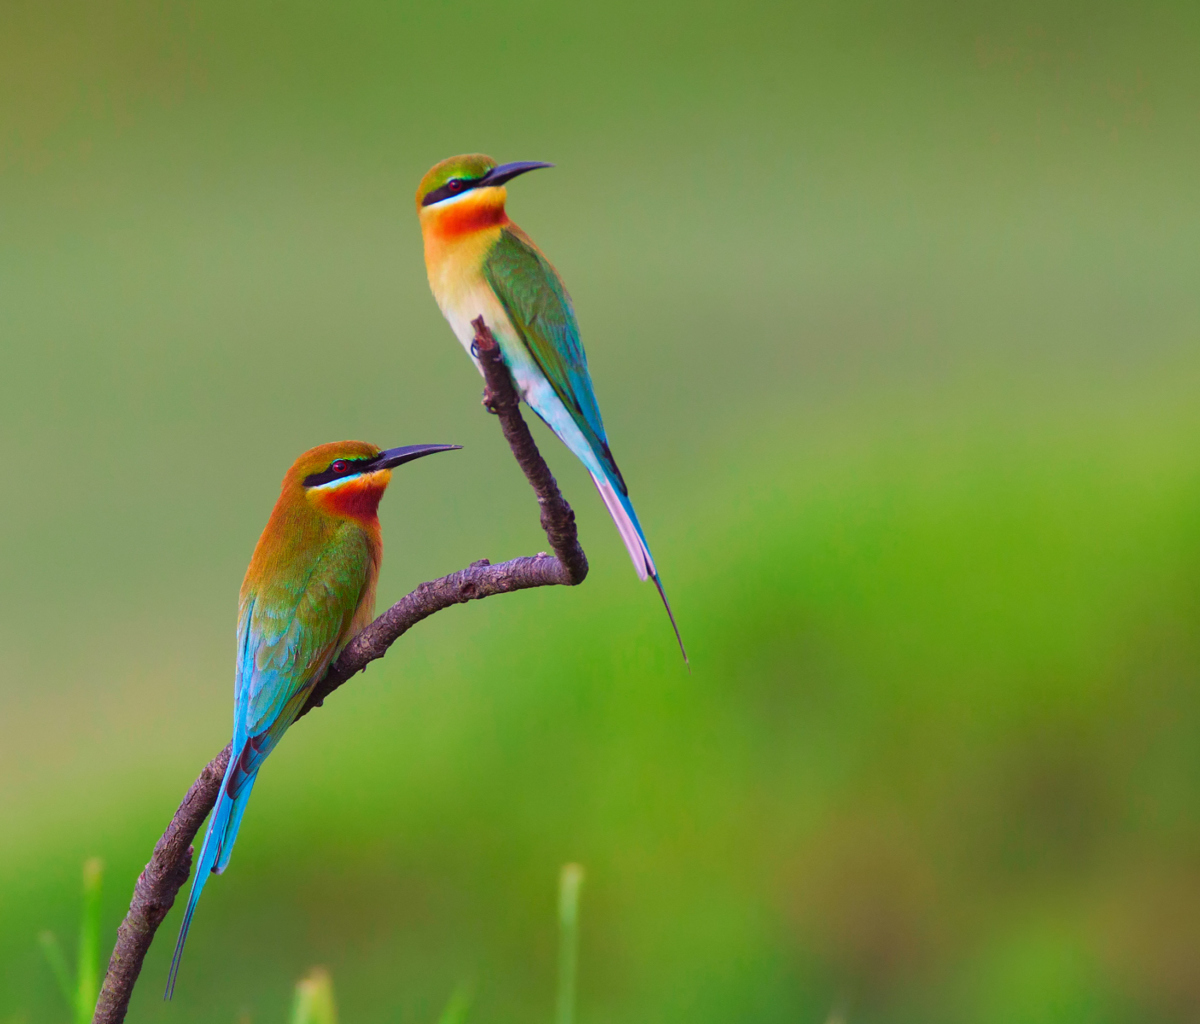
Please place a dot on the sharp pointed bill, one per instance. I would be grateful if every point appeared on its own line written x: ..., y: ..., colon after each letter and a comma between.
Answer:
x: 309, y: 589
x: 506, y: 172
x: 481, y: 264
x: 399, y: 456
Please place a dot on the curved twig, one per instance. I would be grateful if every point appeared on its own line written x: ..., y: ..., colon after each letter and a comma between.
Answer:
x: 169, y: 866
x: 558, y: 520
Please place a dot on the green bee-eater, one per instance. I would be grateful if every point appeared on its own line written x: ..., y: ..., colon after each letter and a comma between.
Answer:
x: 481, y: 264
x: 309, y: 589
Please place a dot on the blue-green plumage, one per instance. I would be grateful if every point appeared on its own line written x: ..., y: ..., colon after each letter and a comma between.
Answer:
x: 540, y: 310
x: 291, y: 625
x: 309, y: 589
x: 481, y: 264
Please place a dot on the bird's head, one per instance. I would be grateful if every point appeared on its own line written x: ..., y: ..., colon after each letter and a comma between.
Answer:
x: 346, y: 479
x: 467, y: 191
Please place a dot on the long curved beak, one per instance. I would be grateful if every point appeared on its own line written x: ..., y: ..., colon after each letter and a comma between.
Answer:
x: 399, y: 456
x: 506, y: 172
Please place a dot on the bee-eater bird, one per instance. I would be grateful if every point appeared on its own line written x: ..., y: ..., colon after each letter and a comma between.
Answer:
x: 481, y: 264
x: 309, y: 589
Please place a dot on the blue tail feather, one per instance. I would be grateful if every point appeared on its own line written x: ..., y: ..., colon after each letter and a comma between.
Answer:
x: 222, y: 831
x: 229, y: 837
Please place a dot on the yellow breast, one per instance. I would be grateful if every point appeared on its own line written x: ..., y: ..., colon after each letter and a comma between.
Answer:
x: 458, y: 234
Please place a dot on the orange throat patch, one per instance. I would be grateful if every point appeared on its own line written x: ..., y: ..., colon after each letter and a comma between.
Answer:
x: 476, y: 211
x: 356, y: 498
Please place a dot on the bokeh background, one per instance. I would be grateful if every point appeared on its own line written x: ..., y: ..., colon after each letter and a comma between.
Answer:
x: 893, y: 311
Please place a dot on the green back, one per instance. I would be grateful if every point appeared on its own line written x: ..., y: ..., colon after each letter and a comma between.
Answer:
x: 540, y: 309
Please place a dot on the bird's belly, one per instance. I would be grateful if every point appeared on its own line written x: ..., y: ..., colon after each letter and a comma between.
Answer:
x: 531, y: 384
x: 469, y: 303
x: 475, y: 298
x: 479, y: 300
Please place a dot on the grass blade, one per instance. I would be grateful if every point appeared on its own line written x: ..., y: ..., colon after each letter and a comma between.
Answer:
x: 314, y: 999
x: 58, y: 965
x: 87, y: 987
x: 457, y: 1006
x: 569, y: 881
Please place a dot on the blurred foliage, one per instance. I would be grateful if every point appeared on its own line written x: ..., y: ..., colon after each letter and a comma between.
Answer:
x: 892, y: 312
x: 80, y: 996
x: 314, y: 1002
x: 458, y: 1007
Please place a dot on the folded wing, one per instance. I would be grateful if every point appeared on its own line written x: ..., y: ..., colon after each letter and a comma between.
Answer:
x: 540, y: 309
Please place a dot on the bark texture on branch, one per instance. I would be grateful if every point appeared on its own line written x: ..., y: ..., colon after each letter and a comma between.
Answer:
x: 558, y: 519
x: 169, y: 866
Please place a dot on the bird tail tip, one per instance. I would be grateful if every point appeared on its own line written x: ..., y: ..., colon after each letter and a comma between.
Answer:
x: 674, y: 625
x: 177, y: 956
x: 205, y: 864
x: 621, y: 510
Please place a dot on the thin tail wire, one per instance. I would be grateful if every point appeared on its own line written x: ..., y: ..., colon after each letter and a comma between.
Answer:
x: 210, y: 851
x: 177, y: 958
x: 671, y: 615
x: 203, y: 870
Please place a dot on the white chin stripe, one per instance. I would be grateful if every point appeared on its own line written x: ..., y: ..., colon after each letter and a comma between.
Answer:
x: 341, y: 481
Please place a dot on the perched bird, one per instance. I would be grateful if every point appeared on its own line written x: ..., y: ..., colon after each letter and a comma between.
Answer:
x: 481, y: 264
x: 309, y: 589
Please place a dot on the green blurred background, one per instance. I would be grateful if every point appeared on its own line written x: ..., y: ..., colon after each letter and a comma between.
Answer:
x: 893, y: 312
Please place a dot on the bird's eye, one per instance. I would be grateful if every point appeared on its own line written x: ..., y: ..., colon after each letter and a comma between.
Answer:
x: 339, y: 466
x: 455, y: 184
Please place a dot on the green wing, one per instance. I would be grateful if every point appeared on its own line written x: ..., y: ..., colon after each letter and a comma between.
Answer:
x: 540, y: 309
x: 291, y: 629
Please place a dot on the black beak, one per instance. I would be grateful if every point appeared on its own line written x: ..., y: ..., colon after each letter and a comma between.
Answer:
x: 399, y: 456
x: 506, y: 172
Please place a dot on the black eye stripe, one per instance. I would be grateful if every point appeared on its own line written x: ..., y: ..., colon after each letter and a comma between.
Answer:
x: 461, y: 185
x: 352, y: 466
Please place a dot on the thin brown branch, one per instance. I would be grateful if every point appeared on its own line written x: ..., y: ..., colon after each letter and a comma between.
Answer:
x: 155, y: 890
x: 558, y: 520
x: 160, y: 882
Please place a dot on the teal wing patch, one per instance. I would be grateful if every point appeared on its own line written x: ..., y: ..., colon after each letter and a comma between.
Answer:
x: 540, y: 309
x: 289, y: 633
